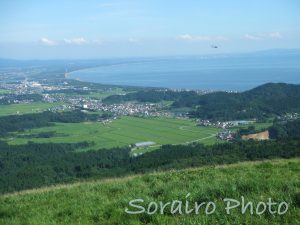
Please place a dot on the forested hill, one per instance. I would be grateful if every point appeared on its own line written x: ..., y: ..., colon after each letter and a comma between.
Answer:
x: 263, y: 101
x: 154, y: 96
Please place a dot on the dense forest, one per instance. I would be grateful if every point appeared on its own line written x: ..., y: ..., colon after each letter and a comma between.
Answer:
x: 152, y: 95
x: 261, y: 102
x: 34, y: 165
x: 282, y: 130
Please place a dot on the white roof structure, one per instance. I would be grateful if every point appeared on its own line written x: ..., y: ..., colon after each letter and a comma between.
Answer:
x: 145, y: 143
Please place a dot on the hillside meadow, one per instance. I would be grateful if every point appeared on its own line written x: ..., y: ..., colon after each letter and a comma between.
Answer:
x: 104, y: 202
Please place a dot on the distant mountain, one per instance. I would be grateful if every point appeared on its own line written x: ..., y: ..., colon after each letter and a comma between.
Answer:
x: 264, y: 101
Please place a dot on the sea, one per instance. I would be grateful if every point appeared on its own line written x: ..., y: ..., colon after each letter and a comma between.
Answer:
x: 228, y: 72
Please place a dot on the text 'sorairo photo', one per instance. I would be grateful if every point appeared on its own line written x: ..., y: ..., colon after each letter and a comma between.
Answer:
x: 138, y: 112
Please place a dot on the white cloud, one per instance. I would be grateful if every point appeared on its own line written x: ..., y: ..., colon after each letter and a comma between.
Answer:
x: 275, y: 35
x: 48, y: 42
x: 188, y: 37
x: 76, y: 41
x: 263, y: 36
x: 252, y: 37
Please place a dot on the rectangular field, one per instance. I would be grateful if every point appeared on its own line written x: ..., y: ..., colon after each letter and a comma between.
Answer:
x: 33, y: 107
x: 122, y: 132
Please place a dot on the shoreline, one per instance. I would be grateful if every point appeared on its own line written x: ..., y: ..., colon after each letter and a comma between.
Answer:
x: 68, y: 75
x: 194, y: 81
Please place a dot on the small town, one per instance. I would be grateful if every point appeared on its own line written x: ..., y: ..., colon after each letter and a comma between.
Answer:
x: 79, y: 101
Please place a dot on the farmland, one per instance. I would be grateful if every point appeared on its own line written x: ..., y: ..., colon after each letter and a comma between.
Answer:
x: 4, y: 91
x: 32, y: 107
x: 104, y: 202
x: 104, y: 94
x: 122, y: 132
x: 258, y: 126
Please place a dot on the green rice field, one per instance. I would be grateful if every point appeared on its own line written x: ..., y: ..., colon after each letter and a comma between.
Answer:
x: 33, y: 107
x: 122, y: 132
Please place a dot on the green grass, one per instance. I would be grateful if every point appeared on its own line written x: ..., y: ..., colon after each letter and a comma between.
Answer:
x: 99, y: 94
x: 104, y: 94
x: 261, y: 126
x: 4, y: 91
x: 258, y: 126
x: 123, y: 132
x: 23, y: 108
x: 104, y: 202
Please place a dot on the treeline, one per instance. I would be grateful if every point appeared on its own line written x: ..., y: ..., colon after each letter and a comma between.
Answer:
x: 36, y: 165
x: 14, y: 123
x: 8, y: 99
x: 68, y: 92
x: 47, y: 134
x: 182, y: 156
x: 282, y: 130
x: 152, y: 95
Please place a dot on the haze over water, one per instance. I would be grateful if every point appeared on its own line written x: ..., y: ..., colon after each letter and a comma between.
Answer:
x: 223, y: 72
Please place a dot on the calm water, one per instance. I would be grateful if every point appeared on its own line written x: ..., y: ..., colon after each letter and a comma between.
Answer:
x: 239, y: 72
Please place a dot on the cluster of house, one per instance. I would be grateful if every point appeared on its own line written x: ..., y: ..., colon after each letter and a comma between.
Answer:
x: 226, y: 135
x: 24, y: 87
x: 119, y: 109
x: 29, y: 87
x: 289, y: 116
x: 224, y: 125
x: 83, y: 102
x: 12, y: 74
x: 140, y: 109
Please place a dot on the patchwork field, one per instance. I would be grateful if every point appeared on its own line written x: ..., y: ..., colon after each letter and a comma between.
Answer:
x: 122, y: 132
x: 104, y: 202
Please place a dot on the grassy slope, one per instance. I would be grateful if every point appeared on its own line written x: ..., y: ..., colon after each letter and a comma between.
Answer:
x: 104, y: 202
x: 125, y: 131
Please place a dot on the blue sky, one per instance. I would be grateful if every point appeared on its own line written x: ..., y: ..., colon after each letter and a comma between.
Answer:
x: 128, y: 28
